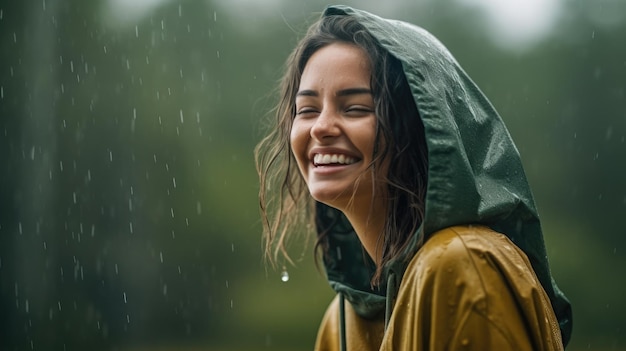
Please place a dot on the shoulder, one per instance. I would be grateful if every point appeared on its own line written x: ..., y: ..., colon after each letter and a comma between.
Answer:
x: 460, y: 243
x: 468, y: 239
x: 475, y: 256
x: 472, y: 283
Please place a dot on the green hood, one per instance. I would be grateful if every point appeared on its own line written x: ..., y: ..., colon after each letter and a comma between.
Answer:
x: 475, y: 173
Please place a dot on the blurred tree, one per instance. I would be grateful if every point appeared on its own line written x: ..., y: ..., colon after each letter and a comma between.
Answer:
x: 128, y: 210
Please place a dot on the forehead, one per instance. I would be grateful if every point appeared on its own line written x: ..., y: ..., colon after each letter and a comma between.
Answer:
x: 336, y: 65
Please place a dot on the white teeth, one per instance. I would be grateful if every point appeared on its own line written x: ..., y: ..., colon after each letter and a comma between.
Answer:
x: 326, y: 159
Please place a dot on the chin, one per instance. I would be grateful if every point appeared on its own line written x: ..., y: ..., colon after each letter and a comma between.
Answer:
x: 332, y: 198
x: 326, y: 199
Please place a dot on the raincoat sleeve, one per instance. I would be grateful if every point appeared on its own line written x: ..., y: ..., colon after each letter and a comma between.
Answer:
x: 470, y: 288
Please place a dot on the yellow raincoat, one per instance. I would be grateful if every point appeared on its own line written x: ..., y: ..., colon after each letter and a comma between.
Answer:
x: 468, y: 288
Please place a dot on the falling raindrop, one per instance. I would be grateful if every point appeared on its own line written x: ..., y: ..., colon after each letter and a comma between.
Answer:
x: 284, y: 275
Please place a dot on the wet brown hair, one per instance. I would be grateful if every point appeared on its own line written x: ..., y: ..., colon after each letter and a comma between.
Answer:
x: 286, y: 205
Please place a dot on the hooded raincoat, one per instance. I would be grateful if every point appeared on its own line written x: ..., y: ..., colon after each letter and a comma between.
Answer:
x: 481, y: 279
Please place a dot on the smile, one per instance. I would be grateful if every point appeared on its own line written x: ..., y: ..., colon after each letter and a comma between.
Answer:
x: 329, y: 159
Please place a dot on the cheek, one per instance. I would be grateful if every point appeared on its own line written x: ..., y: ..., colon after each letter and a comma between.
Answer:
x: 365, y: 136
x: 298, y: 141
x: 293, y: 140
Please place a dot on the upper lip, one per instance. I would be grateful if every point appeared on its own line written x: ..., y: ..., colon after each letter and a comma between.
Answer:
x: 331, y: 151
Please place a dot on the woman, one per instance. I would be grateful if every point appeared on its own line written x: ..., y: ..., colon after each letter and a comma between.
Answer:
x: 423, y: 214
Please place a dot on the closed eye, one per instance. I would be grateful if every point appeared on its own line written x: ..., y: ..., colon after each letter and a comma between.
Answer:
x: 357, y: 111
x: 306, y: 111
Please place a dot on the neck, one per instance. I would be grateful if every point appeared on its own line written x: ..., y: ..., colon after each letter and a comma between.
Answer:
x: 368, y: 223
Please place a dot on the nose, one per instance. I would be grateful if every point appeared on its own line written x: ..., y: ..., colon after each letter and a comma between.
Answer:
x: 326, y: 125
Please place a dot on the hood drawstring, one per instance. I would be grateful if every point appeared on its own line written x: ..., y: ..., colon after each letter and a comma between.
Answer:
x: 389, y: 302
x: 342, y: 323
x: 390, y: 297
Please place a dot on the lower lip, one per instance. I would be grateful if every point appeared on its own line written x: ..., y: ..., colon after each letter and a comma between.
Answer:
x: 330, y: 169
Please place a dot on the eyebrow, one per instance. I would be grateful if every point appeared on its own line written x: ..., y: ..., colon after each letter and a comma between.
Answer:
x: 343, y: 92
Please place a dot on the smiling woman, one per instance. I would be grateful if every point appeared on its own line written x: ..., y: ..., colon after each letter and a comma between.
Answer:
x: 333, y: 135
x: 424, y: 218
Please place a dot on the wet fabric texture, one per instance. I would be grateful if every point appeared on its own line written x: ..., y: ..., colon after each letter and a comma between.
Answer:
x: 468, y: 288
x: 475, y: 177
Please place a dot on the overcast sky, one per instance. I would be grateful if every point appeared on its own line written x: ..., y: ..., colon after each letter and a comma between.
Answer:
x: 513, y: 24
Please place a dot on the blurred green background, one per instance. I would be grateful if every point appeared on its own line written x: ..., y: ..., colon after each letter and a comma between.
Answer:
x: 128, y: 195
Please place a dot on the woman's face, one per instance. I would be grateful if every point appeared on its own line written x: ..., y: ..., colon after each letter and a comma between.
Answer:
x: 334, y: 128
